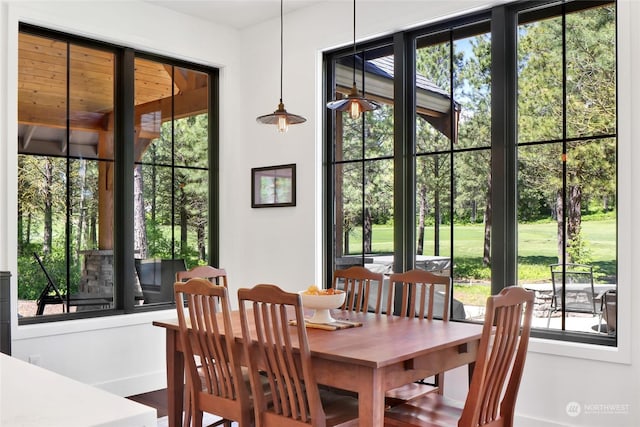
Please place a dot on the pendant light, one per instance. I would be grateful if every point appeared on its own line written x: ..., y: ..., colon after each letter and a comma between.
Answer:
x: 280, y: 117
x: 353, y: 103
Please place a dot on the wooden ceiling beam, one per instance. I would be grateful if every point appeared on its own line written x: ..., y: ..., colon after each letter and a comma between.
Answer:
x: 186, y: 104
x: 34, y: 115
x: 28, y: 134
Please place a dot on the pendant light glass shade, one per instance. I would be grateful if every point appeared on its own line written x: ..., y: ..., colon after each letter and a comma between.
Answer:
x: 280, y: 117
x: 353, y: 103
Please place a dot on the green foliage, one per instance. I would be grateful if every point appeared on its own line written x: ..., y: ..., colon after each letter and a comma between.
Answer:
x: 466, y: 269
x: 32, y: 280
x: 578, y: 250
x: 159, y: 244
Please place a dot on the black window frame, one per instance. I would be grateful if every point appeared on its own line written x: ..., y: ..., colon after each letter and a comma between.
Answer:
x: 124, y: 270
x: 504, y: 243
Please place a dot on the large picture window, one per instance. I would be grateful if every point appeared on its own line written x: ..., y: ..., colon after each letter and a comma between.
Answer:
x: 103, y: 133
x: 503, y: 167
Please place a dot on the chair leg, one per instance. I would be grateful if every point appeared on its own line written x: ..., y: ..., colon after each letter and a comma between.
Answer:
x: 186, y: 413
x: 197, y: 417
x: 186, y: 420
x: 439, y: 382
x: 599, y: 322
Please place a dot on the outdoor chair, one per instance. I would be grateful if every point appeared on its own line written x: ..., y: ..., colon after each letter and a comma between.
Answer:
x: 609, y: 310
x: 215, y: 380
x: 296, y: 400
x: 157, y: 277
x: 51, y: 294
x: 496, y: 378
x: 577, y: 295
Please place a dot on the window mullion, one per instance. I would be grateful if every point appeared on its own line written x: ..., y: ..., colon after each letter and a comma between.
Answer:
x: 124, y: 268
x: 404, y: 148
x: 503, y: 149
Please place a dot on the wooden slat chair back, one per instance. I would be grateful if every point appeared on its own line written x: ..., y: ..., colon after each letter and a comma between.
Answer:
x: 418, y: 293
x: 498, y: 371
x: 217, y: 276
x: 214, y: 375
x: 285, y: 360
x: 417, y: 300
x: 356, y: 282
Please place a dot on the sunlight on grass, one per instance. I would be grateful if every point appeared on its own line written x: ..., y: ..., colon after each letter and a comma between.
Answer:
x: 537, y: 248
x: 472, y: 294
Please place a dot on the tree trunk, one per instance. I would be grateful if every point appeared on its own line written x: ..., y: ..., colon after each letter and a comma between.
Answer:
x: 48, y: 208
x: 81, y: 205
x: 346, y: 241
x: 574, y: 218
x: 20, y: 229
x: 367, y: 232
x: 140, y: 243
x: 202, y: 247
x: 560, y: 221
x: 184, y: 221
x: 28, y: 232
x: 436, y: 209
x: 93, y: 232
x: 488, y: 217
x: 153, y: 186
x: 421, y: 215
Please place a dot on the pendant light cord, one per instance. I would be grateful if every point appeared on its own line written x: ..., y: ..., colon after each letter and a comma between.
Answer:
x: 281, y: 46
x: 354, y: 42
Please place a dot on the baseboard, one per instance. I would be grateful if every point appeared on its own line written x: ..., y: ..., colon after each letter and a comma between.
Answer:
x: 528, y: 421
x: 136, y: 384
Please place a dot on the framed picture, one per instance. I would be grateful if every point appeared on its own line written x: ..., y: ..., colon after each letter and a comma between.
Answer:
x: 273, y: 186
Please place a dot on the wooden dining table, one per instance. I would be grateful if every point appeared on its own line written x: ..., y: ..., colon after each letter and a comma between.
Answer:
x: 384, y: 353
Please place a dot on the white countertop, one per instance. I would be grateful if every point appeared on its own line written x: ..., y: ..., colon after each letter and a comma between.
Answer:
x: 33, y: 396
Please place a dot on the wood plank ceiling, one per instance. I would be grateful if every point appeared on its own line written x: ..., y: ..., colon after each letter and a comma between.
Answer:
x: 53, y: 73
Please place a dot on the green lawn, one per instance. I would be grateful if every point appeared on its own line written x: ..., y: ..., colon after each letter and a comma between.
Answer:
x: 537, y: 248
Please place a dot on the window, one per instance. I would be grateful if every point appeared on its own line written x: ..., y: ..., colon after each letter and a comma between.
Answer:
x: 485, y: 112
x: 567, y: 160
x: 114, y: 192
x: 170, y: 174
x: 363, y: 163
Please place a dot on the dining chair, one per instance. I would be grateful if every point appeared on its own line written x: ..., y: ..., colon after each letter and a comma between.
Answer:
x: 215, y: 380
x: 212, y: 274
x: 418, y: 299
x: 496, y: 377
x: 268, y: 339
x: 356, y: 282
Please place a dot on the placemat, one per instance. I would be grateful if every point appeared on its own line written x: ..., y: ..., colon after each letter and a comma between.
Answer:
x: 333, y: 326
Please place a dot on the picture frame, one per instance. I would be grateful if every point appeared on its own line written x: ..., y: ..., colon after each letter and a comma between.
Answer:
x: 273, y: 186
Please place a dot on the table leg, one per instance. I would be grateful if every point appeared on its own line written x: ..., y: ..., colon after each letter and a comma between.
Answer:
x: 371, y: 400
x: 175, y: 379
x: 471, y: 367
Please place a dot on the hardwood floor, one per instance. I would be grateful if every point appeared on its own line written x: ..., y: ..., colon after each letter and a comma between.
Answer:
x: 156, y: 399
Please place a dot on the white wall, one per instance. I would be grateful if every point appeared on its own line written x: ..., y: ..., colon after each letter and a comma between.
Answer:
x: 283, y: 246
x: 123, y: 354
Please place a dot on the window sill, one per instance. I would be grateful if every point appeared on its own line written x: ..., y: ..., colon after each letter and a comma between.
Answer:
x: 602, y: 353
x: 74, y: 326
